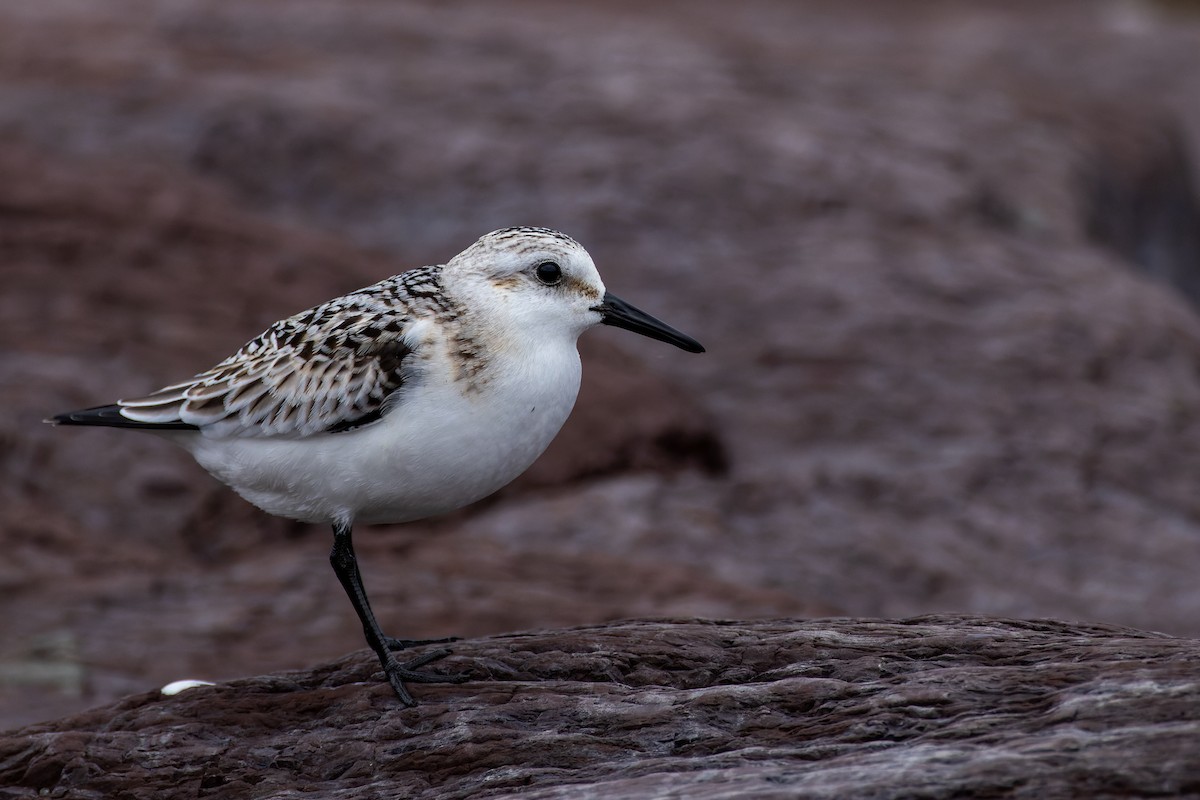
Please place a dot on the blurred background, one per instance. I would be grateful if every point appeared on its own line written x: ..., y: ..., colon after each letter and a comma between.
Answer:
x: 945, y: 257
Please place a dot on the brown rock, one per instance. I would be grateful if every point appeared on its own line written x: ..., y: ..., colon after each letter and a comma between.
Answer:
x: 932, y: 707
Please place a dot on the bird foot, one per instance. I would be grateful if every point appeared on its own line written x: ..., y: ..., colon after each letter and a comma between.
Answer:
x: 398, y: 673
x: 403, y: 644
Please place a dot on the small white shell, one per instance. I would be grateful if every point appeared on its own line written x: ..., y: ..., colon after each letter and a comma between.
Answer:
x: 175, y: 687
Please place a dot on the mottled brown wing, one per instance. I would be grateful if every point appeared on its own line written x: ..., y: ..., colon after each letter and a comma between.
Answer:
x: 326, y: 370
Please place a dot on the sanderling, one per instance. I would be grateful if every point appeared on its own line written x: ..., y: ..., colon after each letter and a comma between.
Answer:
x: 412, y: 397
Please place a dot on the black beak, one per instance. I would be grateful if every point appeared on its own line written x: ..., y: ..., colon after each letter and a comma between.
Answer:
x: 615, y: 311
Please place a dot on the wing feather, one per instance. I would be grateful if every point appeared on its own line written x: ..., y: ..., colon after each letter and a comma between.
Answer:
x: 331, y: 368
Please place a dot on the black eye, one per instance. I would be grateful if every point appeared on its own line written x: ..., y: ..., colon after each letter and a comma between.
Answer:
x: 548, y: 273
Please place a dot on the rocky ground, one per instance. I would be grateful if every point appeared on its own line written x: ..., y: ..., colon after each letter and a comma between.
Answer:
x: 944, y: 257
x: 933, y: 707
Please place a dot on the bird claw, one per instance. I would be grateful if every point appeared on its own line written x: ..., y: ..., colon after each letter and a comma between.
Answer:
x: 392, y: 643
x: 398, y: 673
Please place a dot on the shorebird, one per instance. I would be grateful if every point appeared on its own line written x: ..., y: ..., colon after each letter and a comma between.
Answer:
x: 409, y: 398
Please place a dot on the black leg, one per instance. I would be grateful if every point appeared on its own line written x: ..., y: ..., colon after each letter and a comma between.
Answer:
x: 345, y: 565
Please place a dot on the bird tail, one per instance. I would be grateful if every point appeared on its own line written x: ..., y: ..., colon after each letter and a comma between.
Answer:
x: 110, y: 416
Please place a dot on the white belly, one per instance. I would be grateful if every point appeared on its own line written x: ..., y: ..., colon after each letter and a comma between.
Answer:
x: 440, y: 449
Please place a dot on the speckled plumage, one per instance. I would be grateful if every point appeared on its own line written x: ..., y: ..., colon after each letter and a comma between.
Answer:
x: 322, y: 370
x: 335, y: 366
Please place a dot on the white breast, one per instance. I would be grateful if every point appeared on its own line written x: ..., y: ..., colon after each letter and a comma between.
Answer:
x: 443, y: 446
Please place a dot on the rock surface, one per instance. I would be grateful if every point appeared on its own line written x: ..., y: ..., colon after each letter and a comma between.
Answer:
x: 928, y: 707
